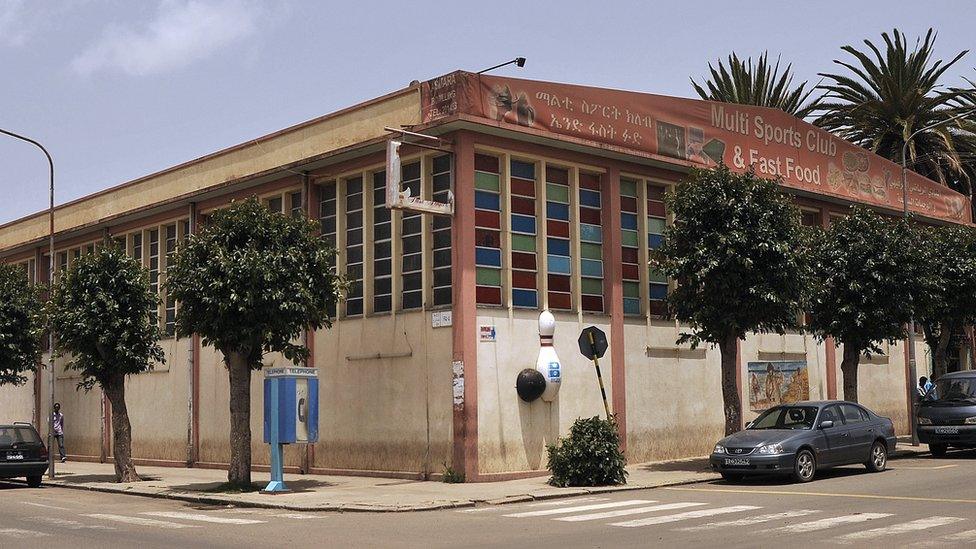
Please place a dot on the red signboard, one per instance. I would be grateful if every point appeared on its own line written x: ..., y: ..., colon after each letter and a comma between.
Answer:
x: 695, y: 133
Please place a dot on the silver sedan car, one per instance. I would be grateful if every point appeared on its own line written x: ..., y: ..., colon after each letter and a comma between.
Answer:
x: 801, y: 438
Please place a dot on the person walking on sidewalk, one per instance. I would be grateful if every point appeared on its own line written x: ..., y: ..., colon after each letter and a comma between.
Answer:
x: 58, y: 423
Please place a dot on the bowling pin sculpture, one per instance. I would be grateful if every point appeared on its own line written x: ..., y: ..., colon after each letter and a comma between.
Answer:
x: 548, y: 363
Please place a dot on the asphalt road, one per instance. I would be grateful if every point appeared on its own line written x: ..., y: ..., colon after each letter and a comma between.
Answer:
x: 920, y: 502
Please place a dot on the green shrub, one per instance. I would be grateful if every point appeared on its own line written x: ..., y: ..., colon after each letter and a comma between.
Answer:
x: 451, y: 476
x: 589, y: 456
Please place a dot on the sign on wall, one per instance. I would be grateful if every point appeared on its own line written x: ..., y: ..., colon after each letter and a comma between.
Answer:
x: 776, y: 382
x: 694, y: 133
x: 487, y: 333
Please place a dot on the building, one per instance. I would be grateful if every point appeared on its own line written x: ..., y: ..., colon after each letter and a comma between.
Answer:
x: 558, y: 200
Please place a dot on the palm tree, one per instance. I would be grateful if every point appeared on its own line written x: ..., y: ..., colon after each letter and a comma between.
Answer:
x: 888, y: 95
x: 763, y: 86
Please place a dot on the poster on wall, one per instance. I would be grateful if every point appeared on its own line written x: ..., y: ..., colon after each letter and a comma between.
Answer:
x: 776, y: 382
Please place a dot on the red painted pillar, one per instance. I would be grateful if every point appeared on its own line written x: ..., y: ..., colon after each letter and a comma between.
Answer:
x: 312, y: 212
x: 613, y: 287
x: 830, y: 348
x: 464, y: 329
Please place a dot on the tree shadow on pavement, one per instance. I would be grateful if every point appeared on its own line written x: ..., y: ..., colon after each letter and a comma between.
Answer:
x: 71, y: 478
x: 697, y: 465
x: 296, y: 486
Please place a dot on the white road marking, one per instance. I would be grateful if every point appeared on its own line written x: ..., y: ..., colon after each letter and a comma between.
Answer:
x: 968, y: 535
x: 631, y: 511
x: 297, y: 516
x: 565, y: 510
x: 18, y: 533
x: 46, y: 506
x: 685, y: 516
x: 823, y: 524
x: 749, y: 521
x: 140, y: 521
x: 903, y: 528
x: 201, y: 517
x: 71, y: 524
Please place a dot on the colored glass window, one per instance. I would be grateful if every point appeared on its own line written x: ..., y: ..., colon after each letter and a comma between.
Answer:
x: 523, y: 201
x: 656, y: 222
x: 559, y: 262
x: 488, y: 251
x: 591, y: 243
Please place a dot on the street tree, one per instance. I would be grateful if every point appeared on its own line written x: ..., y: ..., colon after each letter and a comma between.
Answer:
x: 104, y: 315
x: 865, y: 271
x: 884, y: 95
x: 20, y: 326
x: 736, y: 252
x: 249, y: 283
x: 762, y: 85
x: 947, y: 286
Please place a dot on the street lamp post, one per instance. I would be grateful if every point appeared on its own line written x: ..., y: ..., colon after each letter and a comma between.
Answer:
x: 50, y: 272
x: 912, y: 373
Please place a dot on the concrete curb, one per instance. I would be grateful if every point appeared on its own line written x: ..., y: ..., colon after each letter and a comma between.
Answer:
x: 215, y: 499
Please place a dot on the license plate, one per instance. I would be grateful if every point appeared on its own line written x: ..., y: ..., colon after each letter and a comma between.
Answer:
x: 736, y: 462
x: 947, y: 430
x: 15, y: 456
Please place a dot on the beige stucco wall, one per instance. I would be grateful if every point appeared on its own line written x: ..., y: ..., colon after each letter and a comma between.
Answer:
x: 17, y: 402
x: 674, y: 394
x: 385, y: 414
x: 512, y: 435
x: 330, y: 133
x: 881, y: 382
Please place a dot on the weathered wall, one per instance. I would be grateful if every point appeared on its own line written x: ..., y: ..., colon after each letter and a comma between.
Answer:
x: 384, y: 414
x: 17, y: 402
x: 159, y: 425
x: 881, y: 383
x: 674, y: 394
x: 512, y: 435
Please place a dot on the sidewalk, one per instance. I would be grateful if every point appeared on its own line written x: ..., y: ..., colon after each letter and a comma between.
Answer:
x: 347, y: 493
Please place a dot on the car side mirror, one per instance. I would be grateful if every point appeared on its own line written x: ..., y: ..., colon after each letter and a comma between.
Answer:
x: 749, y: 425
x: 826, y: 424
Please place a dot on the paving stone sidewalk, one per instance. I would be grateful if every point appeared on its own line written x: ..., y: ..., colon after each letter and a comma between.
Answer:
x: 349, y: 493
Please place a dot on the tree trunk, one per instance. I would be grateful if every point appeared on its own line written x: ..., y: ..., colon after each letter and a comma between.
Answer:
x: 730, y: 390
x: 240, y: 419
x: 848, y: 365
x: 125, y: 470
x: 940, y: 358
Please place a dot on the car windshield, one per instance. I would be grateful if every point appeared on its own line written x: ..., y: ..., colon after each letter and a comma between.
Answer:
x: 786, y: 417
x: 960, y: 389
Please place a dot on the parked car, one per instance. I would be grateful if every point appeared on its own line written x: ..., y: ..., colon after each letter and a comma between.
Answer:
x: 22, y: 453
x: 801, y: 438
x: 947, y: 413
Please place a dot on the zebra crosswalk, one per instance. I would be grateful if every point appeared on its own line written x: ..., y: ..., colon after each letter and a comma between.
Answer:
x: 699, y: 516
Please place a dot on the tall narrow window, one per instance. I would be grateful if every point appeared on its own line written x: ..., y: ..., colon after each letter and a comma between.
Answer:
x: 327, y: 221
x: 295, y: 204
x: 630, y: 246
x: 137, y: 247
x: 524, y: 262
x: 382, y: 247
x: 170, y: 303
x: 441, y: 234
x: 487, y: 220
x: 558, y: 260
x: 591, y: 243
x: 354, y: 246
x: 411, y: 243
x: 154, y: 265
x: 656, y: 221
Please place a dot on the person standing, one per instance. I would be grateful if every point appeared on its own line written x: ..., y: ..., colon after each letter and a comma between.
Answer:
x: 58, y: 423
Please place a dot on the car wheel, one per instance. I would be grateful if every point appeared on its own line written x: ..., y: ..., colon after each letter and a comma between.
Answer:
x: 34, y: 481
x: 805, y: 466
x: 938, y: 450
x: 732, y: 477
x: 879, y: 457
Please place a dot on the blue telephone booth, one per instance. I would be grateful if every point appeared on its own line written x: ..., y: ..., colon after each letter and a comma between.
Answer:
x: 291, y: 414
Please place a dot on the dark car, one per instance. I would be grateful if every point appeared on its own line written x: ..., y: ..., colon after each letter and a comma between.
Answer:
x: 799, y: 439
x: 22, y: 453
x: 947, y: 413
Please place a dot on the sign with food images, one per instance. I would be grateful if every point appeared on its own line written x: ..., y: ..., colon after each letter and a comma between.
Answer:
x: 693, y: 133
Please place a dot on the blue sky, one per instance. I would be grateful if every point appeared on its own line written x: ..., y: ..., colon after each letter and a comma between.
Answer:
x: 117, y: 89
